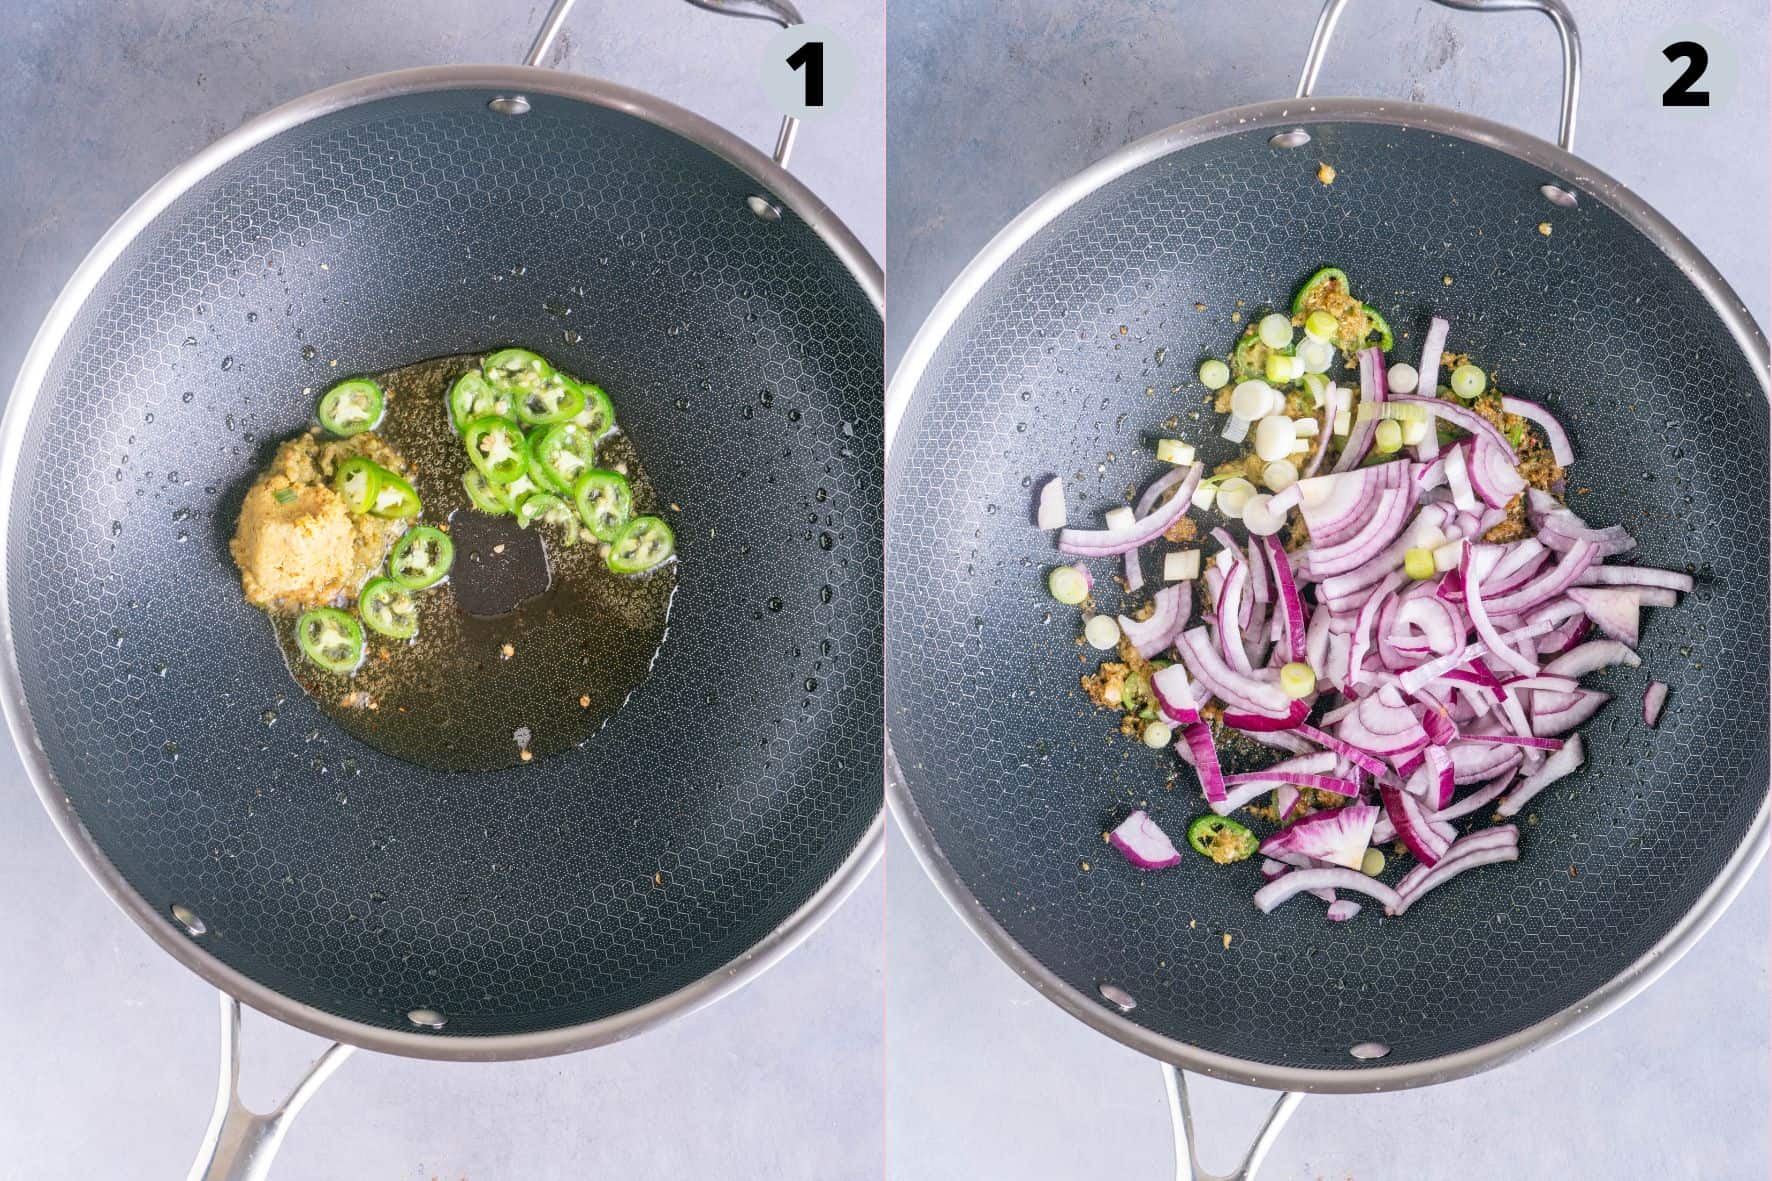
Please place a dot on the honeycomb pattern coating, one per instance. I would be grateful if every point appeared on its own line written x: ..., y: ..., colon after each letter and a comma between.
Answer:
x: 1053, y: 368
x: 746, y: 363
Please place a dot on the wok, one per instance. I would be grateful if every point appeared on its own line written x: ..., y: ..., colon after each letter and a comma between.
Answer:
x: 720, y: 815
x: 1037, y: 361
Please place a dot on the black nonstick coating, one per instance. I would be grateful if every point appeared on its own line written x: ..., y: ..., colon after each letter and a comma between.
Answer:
x: 1072, y: 352
x: 745, y: 362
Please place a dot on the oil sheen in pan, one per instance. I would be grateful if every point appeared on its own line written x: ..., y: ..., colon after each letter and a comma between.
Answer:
x: 528, y: 645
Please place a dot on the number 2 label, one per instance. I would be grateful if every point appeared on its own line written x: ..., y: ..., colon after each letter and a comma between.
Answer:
x: 1681, y: 94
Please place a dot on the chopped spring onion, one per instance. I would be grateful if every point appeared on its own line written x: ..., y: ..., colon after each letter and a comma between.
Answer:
x: 1387, y: 438
x: 1316, y: 356
x: 1321, y: 326
x: 1182, y: 565
x: 1279, y: 475
x: 1468, y: 381
x: 1415, y: 433
x: 1318, y: 386
x: 1119, y: 517
x: 1297, y: 680
x: 1204, y: 495
x: 1068, y: 584
x: 1419, y: 564
x: 1261, y: 518
x: 1282, y: 368
x: 1275, y: 331
x: 1274, y: 437
x: 1214, y: 374
x: 1157, y: 735
x: 1102, y: 632
x: 1343, y: 421
x: 1305, y: 428
x: 1233, y: 495
x: 1175, y: 451
x: 284, y: 496
x: 1254, y: 399
x: 1235, y: 429
x: 1372, y: 864
x: 1402, y: 378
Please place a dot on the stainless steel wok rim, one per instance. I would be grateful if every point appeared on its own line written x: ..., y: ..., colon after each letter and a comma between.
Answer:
x: 778, y: 183
x: 1590, y: 184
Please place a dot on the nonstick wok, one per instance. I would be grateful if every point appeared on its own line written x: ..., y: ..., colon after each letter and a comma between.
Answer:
x: 720, y: 815
x: 1043, y: 358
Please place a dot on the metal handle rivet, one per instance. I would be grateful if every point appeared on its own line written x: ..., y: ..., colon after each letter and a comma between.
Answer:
x: 764, y: 208
x: 189, y: 920
x: 1557, y: 195
x: 427, y: 1019
x: 510, y: 104
x: 1296, y: 138
x: 1367, y: 1051
x: 1116, y: 996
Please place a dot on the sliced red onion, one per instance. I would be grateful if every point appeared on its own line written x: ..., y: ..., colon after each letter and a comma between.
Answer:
x: 1591, y: 656
x: 1328, y: 783
x: 1636, y: 576
x: 1050, y: 514
x: 1337, y: 836
x: 1471, y: 762
x: 1477, y: 799
x: 1172, y: 478
x: 1143, y: 843
x: 1556, y: 767
x: 1198, y: 738
x: 1548, y: 585
x: 1237, y: 797
x: 1386, y: 522
x: 1342, y: 909
x: 1493, y: 475
x: 1412, y: 828
x: 1353, y: 754
x: 1261, y: 723
x: 1373, y: 390
x: 1458, y: 478
x: 1246, y: 693
x: 1450, y: 868
x: 1286, y: 798
x: 1654, y: 700
x: 1464, y: 419
x: 1433, y: 346
x: 1134, y: 571
x: 1521, y: 740
x: 1425, y: 530
x: 1546, y: 422
x: 1331, y: 407
x: 1471, y: 570
x: 1175, y: 696
x: 1558, y: 713
x: 1300, y: 880
x: 1271, y: 869
x: 1150, y: 636
x: 1292, y: 607
x: 1228, y: 608
x: 1617, y: 611
x: 1101, y: 543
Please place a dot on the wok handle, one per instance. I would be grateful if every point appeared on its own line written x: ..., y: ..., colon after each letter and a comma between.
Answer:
x: 778, y: 12
x: 1187, y: 1157
x: 240, y: 1143
x: 1554, y: 9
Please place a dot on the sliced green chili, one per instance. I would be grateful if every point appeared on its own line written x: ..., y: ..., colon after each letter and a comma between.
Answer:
x: 356, y: 479
x: 421, y: 557
x: 487, y: 496
x: 496, y: 447
x: 559, y: 453
x: 472, y: 396
x: 1250, y: 358
x: 605, y: 500
x: 351, y: 407
x: 388, y: 608
x: 1377, y: 323
x: 1221, y: 838
x: 394, y: 497
x: 550, y: 510
x: 1316, y: 281
x: 556, y: 399
x: 642, y: 544
x: 598, y: 416
x: 516, y: 371
x: 331, y: 639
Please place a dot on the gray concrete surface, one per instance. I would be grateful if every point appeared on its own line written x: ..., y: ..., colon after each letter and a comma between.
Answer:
x: 107, y: 1046
x: 989, y: 104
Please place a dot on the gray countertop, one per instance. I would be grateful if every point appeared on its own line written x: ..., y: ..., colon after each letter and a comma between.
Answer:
x: 992, y: 103
x: 107, y: 1047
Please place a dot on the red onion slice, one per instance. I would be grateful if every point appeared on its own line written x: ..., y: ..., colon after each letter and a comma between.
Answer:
x: 1300, y: 880
x: 1151, y: 636
x: 1546, y: 422
x: 1342, y: 909
x: 1143, y: 843
x: 1556, y: 767
x: 1101, y: 543
x: 1654, y: 700
x: 1050, y: 514
x: 1337, y: 836
x: 1463, y: 418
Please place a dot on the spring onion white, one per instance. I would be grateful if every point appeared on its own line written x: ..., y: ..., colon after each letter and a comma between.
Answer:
x: 1252, y: 400
x: 1275, y: 331
x: 1102, y: 632
x: 1214, y: 374
x: 1068, y: 584
x: 1321, y: 325
x: 1233, y: 495
x: 1175, y: 451
x: 1468, y: 381
x: 1274, y: 437
x: 1403, y: 378
x: 1182, y: 565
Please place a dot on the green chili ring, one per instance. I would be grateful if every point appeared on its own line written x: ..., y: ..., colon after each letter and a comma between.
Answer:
x: 605, y: 500
x: 560, y: 453
x: 490, y: 498
x: 516, y: 371
x: 1324, y: 275
x: 472, y: 396
x: 388, y: 609
x: 1377, y: 323
x: 352, y: 407
x: 356, y: 479
x: 394, y: 496
x: 556, y: 399
x: 331, y: 639
x: 496, y: 447
x: 598, y: 416
x: 1222, y: 839
x: 421, y: 557
x: 643, y: 544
